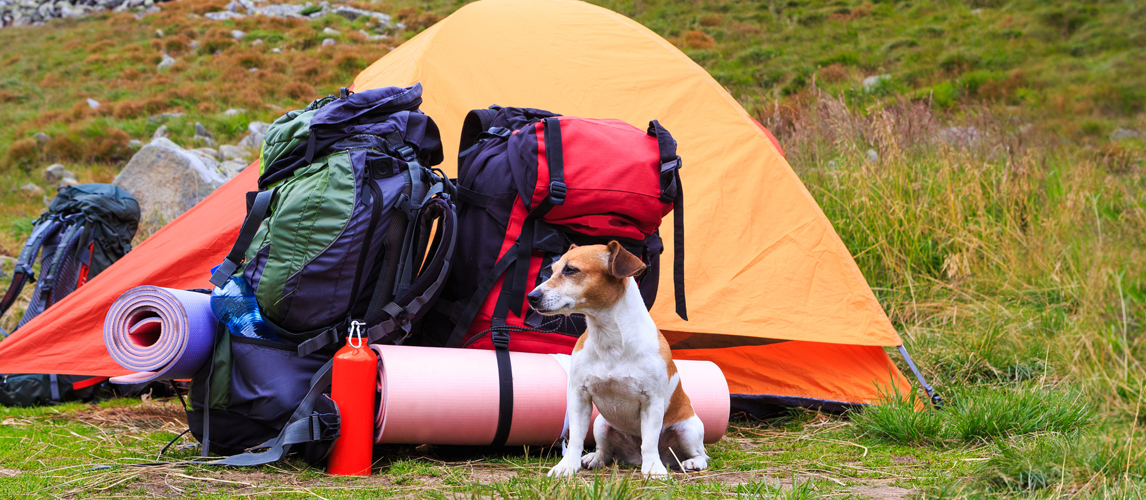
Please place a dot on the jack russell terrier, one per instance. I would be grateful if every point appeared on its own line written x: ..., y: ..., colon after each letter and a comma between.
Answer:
x: 623, y: 365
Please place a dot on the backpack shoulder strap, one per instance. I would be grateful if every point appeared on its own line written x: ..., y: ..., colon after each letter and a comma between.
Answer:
x: 260, y: 208
x: 23, y: 271
x: 72, y: 232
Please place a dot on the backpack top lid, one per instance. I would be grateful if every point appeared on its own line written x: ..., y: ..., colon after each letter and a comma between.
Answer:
x: 295, y: 139
x: 104, y: 202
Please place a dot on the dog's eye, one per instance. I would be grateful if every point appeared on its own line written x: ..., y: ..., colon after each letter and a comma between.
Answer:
x: 570, y: 270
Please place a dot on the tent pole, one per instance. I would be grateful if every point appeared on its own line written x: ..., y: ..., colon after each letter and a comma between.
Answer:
x: 936, y: 399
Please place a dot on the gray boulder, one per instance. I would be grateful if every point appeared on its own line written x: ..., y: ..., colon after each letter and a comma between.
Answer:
x: 159, y: 132
x: 42, y: 138
x: 55, y: 173
x: 871, y: 82
x: 254, y: 140
x: 229, y: 152
x: 31, y: 190
x: 167, y: 180
x: 232, y: 168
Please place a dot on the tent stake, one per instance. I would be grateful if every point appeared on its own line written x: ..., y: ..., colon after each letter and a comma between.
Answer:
x: 936, y: 399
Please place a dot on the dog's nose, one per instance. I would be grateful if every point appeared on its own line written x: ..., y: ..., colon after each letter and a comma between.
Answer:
x: 534, y: 297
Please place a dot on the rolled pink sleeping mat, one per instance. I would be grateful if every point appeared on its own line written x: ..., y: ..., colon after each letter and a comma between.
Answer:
x: 160, y: 333
x: 441, y: 396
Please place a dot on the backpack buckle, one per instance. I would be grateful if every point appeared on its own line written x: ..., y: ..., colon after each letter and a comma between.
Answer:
x: 669, y: 176
x: 500, y: 339
x: 557, y: 192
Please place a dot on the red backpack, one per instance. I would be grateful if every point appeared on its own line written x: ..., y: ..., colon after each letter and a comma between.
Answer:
x: 530, y: 183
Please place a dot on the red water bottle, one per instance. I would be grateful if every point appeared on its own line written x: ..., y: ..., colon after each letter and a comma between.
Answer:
x: 353, y: 388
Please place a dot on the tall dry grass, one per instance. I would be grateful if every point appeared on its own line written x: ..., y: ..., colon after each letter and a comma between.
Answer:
x: 1004, y: 255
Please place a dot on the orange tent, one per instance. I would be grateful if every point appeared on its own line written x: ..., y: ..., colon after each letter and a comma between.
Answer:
x: 774, y: 296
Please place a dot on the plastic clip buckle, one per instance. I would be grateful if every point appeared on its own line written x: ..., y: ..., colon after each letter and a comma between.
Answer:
x: 500, y: 339
x: 557, y: 192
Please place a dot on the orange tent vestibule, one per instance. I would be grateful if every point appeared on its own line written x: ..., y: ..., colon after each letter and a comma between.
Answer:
x: 774, y: 296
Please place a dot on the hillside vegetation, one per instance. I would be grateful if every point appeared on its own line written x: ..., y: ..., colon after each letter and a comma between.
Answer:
x: 982, y: 159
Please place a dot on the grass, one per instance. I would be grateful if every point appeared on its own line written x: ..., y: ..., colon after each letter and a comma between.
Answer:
x: 977, y: 186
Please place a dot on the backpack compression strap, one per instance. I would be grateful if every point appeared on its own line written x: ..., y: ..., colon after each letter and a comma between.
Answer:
x: 672, y: 190
x: 259, y: 211
x: 23, y: 269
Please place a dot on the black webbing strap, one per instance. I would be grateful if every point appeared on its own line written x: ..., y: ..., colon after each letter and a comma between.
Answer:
x: 22, y: 271
x: 555, y: 195
x: 476, y: 300
x: 505, y: 387
x: 259, y: 211
x: 303, y: 426
x: 672, y: 190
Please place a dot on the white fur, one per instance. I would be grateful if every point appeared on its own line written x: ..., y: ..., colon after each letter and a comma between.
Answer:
x: 620, y: 369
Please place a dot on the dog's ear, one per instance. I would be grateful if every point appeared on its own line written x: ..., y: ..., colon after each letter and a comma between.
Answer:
x: 571, y: 247
x: 623, y: 264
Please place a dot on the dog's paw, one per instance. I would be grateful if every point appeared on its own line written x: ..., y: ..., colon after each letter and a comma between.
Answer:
x: 654, y: 469
x: 566, y: 468
x: 592, y: 461
x: 694, y: 464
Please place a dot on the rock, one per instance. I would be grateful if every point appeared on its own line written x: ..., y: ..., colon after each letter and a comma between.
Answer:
x: 328, y: 42
x: 234, y: 111
x: 352, y: 13
x: 211, y: 153
x: 872, y: 156
x: 158, y: 33
x: 68, y: 181
x: 229, y: 152
x: 238, y: 34
x: 92, y: 103
x: 167, y: 180
x: 254, y: 140
x: 161, y: 117
x: 194, y: 44
x: 1125, y: 134
x: 31, y: 190
x: 54, y: 173
x: 976, y: 11
x: 41, y: 137
x: 257, y: 42
x: 372, y: 38
x: 870, y: 82
x: 331, y: 31
x: 234, y: 6
x: 201, y: 131
x: 135, y: 144
x: 254, y: 70
x: 223, y: 15
x: 160, y: 133
x: 232, y: 168
x: 277, y: 50
x: 167, y: 62
x: 832, y: 164
x: 279, y: 10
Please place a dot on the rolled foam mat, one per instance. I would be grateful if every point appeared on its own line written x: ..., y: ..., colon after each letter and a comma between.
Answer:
x: 160, y: 333
x: 450, y: 396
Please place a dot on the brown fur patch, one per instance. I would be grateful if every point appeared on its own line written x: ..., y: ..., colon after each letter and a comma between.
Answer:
x: 679, y: 406
x: 599, y: 288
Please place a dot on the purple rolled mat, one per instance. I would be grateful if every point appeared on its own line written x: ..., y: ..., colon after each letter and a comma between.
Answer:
x: 160, y: 333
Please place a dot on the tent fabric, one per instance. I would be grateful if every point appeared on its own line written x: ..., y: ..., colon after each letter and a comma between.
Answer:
x: 774, y: 296
x: 762, y: 260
